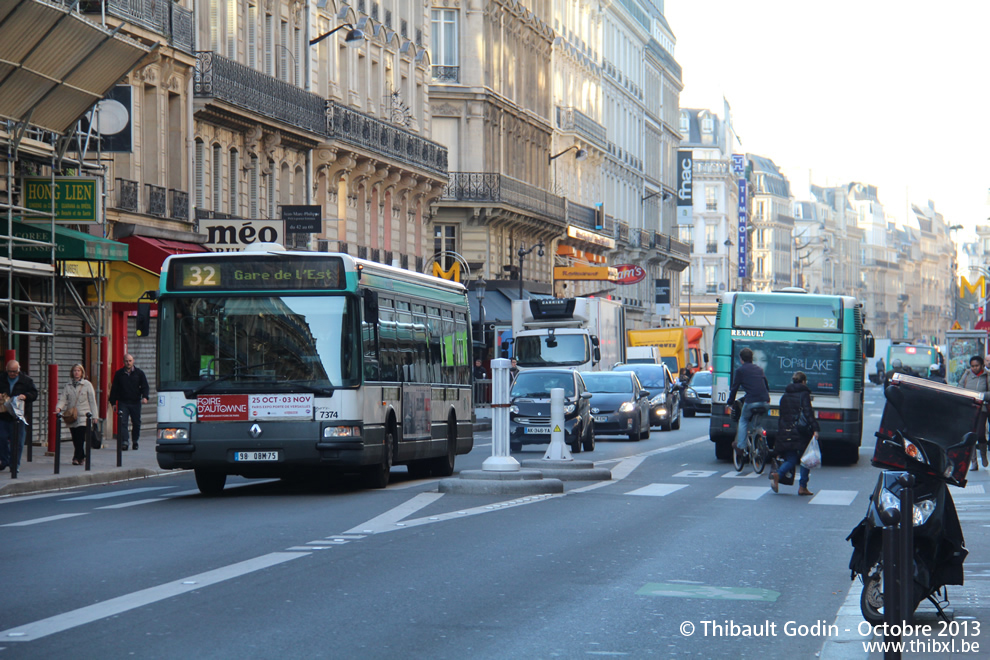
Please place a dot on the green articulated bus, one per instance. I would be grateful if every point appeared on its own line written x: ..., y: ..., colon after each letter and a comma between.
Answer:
x: 274, y: 363
x: 823, y: 336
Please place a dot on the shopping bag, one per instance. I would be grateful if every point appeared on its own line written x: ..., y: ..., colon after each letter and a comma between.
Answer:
x: 812, y: 456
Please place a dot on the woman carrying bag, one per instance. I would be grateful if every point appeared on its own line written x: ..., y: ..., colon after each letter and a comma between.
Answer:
x: 797, y: 428
x: 77, y: 395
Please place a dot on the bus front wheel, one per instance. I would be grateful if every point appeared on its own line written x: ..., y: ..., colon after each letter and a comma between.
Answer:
x: 209, y: 482
x: 376, y: 476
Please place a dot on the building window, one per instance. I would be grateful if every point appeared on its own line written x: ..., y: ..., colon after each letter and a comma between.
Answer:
x: 252, y: 36
x: 445, y: 60
x: 233, y: 168
x: 685, y: 234
x: 253, y: 190
x: 217, y: 178
x: 200, y: 173
x: 711, y: 239
x: 445, y: 240
x: 707, y: 124
x: 711, y: 279
x: 711, y: 198
x: 270, y: 184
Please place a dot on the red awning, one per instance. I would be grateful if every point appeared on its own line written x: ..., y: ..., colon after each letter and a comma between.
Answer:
x: 150, y: 253
x: 982, y: 325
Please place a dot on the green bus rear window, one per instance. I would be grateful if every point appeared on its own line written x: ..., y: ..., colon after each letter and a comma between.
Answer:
x: 788, y: 312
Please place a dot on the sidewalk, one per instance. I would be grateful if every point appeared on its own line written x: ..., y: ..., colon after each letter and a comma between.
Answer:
x: 39, y: 474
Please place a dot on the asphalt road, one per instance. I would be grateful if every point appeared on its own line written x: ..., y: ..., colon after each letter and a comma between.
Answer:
x: 677, y: 542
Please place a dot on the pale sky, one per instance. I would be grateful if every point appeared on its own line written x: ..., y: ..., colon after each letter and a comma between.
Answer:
x: 884, y: 92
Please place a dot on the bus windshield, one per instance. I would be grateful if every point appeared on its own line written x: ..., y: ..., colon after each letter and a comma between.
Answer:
x: 245, y: 343
x: 533, y: 351
x: 917, y: 358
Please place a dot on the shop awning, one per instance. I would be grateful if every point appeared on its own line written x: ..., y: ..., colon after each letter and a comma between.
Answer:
x: 55, y: 64
x: 498, y: 309
x: 69, y: 245
x: 149, y: 253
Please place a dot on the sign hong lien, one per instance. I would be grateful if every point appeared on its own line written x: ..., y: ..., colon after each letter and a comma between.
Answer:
x: 76, y: 200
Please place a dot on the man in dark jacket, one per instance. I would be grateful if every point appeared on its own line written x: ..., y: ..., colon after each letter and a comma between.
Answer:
x: 752, y: 381
x: 128, y: 391
x: 21, y: 389
x: 792, y: 439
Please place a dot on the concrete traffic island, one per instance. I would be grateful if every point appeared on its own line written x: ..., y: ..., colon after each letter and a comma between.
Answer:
x: 568, y: 470
x: 489, y: 482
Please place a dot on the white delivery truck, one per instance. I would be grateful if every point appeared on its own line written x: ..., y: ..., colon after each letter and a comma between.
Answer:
x: 587, y: 334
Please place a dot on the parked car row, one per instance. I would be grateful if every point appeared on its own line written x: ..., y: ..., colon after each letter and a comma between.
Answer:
x: 628, y: 401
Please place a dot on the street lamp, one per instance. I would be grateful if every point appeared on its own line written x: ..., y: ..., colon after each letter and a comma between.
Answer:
x: 353, y: 37
x: 479, y: 292
x: 522, y: 252
x: 579, y: 154
x: 728, y: 264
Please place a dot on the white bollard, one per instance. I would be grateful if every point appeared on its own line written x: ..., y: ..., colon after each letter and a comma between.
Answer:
x: 558, y: 450
x: 500, y: 461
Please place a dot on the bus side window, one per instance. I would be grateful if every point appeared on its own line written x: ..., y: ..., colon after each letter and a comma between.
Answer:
x: 449, y: 347
x: 372, y: 369
x: 463, y: 350
x: 388, y: 347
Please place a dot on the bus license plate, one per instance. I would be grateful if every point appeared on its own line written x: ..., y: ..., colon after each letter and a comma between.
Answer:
x: 775, y: 412
x: 538, y: 430
x: 242, y: 456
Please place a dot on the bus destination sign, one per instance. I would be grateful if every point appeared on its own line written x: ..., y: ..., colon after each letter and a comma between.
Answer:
x: 297, y: 274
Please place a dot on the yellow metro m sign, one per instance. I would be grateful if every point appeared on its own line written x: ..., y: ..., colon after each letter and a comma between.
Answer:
x: 978, y: 288
x: 453, y: 273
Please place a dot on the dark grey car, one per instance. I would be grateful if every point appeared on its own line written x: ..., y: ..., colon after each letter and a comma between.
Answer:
x: 665, y: 398
x: 697, y: 396
x: 529, y: 412
x: 619, y: 404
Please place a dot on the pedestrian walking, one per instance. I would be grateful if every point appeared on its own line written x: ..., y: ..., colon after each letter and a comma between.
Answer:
x: 128, y: 391
x: 17, y: 392
x: 977, y: 378
x: 793, y: 437
x: 79, y: 398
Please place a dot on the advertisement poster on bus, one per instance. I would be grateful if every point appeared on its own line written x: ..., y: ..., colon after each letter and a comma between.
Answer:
x: 780, y: 359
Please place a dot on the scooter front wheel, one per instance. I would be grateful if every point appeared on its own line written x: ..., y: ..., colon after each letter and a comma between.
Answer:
x: 871, y: 600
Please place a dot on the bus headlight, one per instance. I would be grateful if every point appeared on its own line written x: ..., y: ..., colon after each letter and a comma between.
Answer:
x: 173, y: 435
x: 342, y: 432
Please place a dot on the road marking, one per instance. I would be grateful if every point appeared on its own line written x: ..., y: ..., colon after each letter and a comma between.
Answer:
x: 119, y: 493
x: 61, y: 622
x: 835, y: 497
x: 627, y: 465
x: 695, y: 473
x: 657, y: 490
x: 972, y: 489
x: 124, y: 505
x: 387, y: 521
x: 740, y: 475
x: 744, y: 493
x: 7, y: 499
x: 706, y: 591
x: 36, y: 521
x: 485, y: 508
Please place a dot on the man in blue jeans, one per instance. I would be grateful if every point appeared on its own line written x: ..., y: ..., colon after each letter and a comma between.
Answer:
x: 751, y: 379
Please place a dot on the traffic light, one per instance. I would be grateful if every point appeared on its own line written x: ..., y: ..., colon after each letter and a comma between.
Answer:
x: 143, y: 325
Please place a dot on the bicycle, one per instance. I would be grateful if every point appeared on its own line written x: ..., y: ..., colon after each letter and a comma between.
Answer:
x: 757, y: 451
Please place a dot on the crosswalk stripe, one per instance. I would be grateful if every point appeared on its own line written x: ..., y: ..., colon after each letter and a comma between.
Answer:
x: 657, y: 490
x: 744, y: 493
x: 971, y: 489
x: 695, y: 473
x: 740, y: 475
x: 835, y: 497
x: 118, y: 493
x: 36, y: 521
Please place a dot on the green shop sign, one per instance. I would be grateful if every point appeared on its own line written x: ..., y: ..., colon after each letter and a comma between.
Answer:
x: 77, y: 199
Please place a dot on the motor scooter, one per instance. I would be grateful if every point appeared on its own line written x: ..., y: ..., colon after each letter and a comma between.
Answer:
x: 926, y: 432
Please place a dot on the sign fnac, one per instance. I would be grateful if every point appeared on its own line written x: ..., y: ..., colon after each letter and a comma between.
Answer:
x: 630, y: 273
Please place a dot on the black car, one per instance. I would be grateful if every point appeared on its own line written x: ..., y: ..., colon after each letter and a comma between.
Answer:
x: 697, y: 396
x: 619, y: 404
x: 529, y: 411
x: 665, y: 396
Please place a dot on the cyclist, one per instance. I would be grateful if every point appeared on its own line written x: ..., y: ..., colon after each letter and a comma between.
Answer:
x: 751, y: 379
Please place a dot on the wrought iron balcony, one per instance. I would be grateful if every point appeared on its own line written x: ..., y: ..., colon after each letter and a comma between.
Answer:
x: 366, y: 132
x: 126, y: 195
x: 501, y: 189
x: 622, y: 231
x: 584, y: 217
x: 572, y: 119
x: 157, y: 200
x: 178, y: 204
x: 446, y: 74
x: 165, y: 18
x: 220, y: 78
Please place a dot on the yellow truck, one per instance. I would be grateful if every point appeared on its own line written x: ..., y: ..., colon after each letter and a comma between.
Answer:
x: 677, y: 347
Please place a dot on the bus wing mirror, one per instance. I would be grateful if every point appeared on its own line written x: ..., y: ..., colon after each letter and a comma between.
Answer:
x: 706, y: 358
x: 869, y: 347
x: 370, y: 307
